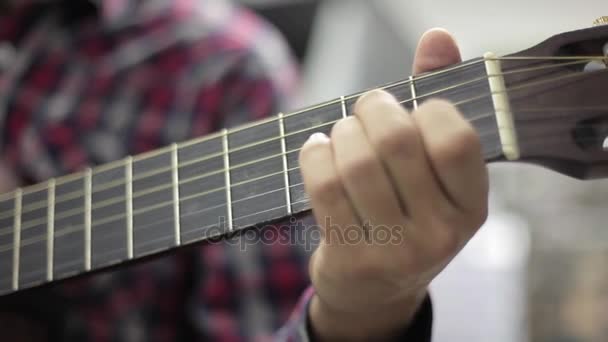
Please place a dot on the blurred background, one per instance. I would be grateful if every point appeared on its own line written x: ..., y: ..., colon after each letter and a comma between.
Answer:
x: 537, y: 270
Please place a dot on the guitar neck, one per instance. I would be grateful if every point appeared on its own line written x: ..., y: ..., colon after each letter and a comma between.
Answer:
x: 201, y: 189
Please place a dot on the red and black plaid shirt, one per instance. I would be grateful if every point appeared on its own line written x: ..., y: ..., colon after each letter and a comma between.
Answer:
x: 88, y: 82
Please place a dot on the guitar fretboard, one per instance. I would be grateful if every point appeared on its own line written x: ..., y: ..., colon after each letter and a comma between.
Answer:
x: 195, y: 190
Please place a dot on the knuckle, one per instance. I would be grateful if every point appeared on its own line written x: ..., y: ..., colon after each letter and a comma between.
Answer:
x: 371, y: 99
x: 313, y: 153
x: 480, y: 215
x: 343, y: 128
x: 359, y: 168
x: 458, y: 145
x: 447, y: 242
x: 446, y: 215
x: 328, y: 187
x: 397, y: 138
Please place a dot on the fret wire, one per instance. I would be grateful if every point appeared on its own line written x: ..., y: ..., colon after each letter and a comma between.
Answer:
x: 343, y: 106
x: 414, y: 99
x: 227, y: 179
x: 175, y: 180
x: 50, y: 229
x: 129, y: 204
x: 285, y: 174
x: 17, y: 238
x: 413, y: 91
x: 88, y: 181
x: 67, y: 178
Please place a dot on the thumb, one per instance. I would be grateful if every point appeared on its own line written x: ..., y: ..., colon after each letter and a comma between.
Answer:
x: 436, y: 48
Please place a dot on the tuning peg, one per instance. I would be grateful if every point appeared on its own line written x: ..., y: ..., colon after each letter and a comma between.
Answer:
x: 600, y: 21
x: 603, y: 21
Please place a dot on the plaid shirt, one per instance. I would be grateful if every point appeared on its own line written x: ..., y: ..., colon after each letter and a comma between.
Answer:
x: 85, y: 83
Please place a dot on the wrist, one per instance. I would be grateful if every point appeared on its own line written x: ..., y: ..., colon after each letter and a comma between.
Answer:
x: 328, y: 323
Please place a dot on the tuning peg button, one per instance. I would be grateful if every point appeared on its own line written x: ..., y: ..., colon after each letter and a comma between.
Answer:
x: 600, y: 21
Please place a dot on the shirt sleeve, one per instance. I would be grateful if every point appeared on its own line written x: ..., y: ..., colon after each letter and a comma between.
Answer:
x: 298, y: 328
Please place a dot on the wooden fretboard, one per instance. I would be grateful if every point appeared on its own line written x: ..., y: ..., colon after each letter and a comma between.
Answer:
x: 195, y: 190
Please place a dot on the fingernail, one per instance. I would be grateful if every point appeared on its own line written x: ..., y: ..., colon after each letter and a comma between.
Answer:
x: 318, y: 137
x: 376, y: 94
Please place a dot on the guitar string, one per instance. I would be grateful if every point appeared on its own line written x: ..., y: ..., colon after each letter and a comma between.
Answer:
x: 28, y: 224
x: 78, y: 193
x: 281, y: 172
x: 199, y: 229
x: 76, y: 211
x: 150, y: 190
x: 62, y: 232
x: 147, y: 209
x: 160, y: 205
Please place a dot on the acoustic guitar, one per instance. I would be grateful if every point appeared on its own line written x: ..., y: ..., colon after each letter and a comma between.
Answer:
x: 546, y: 105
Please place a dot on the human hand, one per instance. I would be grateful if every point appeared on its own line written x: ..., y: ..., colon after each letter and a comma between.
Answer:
x: 420, y: 176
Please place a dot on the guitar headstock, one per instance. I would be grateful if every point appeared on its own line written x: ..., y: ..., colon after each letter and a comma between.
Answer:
x: 558, y: 92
